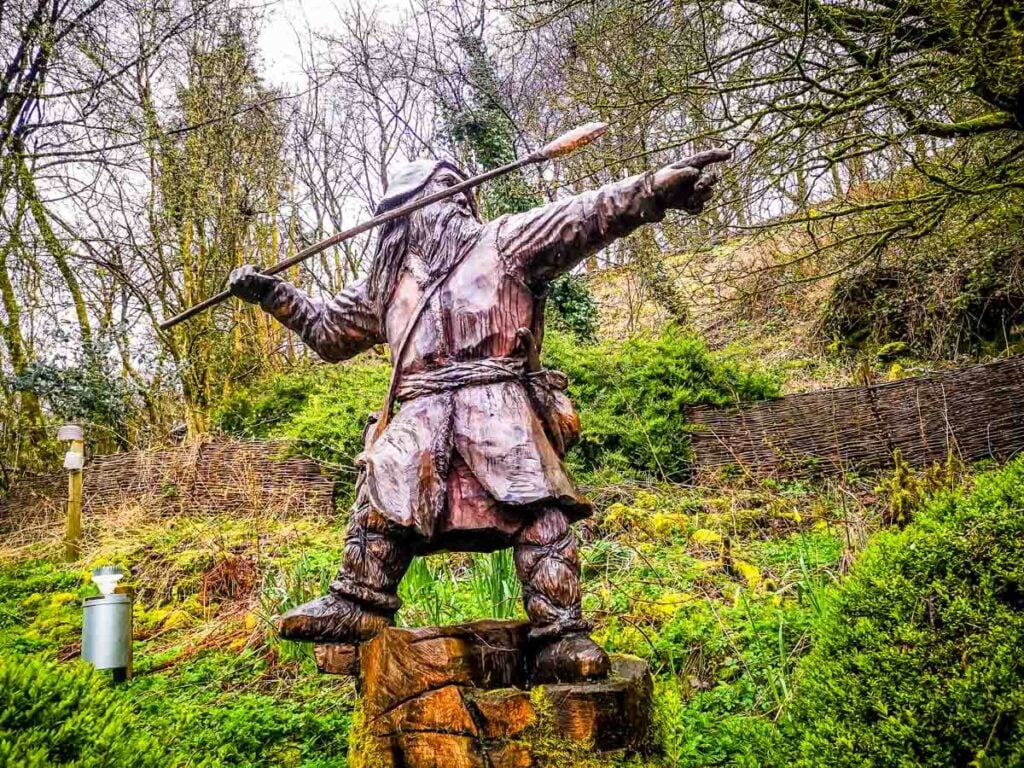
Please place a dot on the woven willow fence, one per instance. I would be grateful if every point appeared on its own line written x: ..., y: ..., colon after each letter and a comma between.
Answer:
x: 224, y: 476
x: 975, y: 413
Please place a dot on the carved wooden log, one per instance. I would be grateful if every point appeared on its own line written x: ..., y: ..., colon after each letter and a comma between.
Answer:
x: 337, y: 658
x: 456, y: 697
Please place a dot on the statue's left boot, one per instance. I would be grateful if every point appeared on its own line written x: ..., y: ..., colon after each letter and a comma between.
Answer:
x: 570, y: 658
x: 548, y: 564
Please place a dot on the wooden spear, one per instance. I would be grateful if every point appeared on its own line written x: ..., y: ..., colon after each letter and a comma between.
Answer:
x: 563, y: 145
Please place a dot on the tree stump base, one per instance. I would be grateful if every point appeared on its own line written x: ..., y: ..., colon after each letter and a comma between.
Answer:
x: 337, y: 658
x: 457, y: 697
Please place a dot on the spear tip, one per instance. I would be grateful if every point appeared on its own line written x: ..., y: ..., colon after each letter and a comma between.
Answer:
x: 572, y: 140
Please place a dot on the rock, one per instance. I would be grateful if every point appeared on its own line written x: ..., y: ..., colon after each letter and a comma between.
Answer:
x: 457, y: 697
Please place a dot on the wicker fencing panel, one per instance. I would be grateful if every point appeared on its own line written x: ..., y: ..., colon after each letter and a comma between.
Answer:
x: 211, y: 477
x: 975, y: 413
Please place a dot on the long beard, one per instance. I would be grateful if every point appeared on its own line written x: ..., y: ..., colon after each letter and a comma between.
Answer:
x: 439, y: 238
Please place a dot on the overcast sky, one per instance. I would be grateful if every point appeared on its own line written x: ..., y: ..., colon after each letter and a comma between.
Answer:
x: 287, y: 22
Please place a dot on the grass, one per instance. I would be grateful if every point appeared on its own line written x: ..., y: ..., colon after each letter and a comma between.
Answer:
x: 716, y: 587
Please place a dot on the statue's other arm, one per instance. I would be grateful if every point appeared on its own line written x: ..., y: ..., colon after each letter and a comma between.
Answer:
x: 335, y: 329
x: 554, y: 238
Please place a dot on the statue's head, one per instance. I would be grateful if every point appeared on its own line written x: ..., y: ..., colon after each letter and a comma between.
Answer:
x: 423, y: 177
x: 436, y: 232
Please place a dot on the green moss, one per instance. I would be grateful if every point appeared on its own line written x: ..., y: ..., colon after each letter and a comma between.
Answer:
x: 52, y: 716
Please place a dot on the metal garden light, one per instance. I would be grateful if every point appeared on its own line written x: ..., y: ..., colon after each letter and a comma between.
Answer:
x: 107, y: 625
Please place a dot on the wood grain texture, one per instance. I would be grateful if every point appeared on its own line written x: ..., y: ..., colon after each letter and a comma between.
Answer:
x: 456, y: 696
x: 337, y: 659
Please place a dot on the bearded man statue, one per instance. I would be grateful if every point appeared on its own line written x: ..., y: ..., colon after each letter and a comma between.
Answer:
x: 471, y: 459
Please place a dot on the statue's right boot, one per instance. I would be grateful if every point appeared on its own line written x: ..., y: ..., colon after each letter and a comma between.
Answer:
x: 363, y: 597
x: 331, y: 619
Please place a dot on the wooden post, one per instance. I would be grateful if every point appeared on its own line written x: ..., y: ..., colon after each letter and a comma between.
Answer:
x: 74, y: 460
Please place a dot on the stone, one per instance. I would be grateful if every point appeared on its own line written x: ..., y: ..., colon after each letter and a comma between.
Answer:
x: 457, y: 697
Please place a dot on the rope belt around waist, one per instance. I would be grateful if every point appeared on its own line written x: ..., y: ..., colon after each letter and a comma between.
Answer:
x: 457, y: 375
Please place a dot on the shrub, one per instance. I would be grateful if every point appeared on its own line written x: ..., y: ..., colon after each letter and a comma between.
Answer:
x: 917, y: 661
x: 632, y: 398
x: 322, y: 408
x: 571, y: 308
x: 68, y: 716
x: 958, y: 289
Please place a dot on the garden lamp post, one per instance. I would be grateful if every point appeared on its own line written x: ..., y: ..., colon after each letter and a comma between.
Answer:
x: 74, y: 461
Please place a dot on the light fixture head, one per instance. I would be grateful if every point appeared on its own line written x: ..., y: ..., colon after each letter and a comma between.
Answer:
x: 106, y: 577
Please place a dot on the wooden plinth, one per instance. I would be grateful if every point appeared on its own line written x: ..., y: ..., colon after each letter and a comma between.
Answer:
x: 456, y: 697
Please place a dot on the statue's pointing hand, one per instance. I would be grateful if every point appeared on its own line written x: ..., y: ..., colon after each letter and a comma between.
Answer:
x: 688, y: 184
x: 250, y: 284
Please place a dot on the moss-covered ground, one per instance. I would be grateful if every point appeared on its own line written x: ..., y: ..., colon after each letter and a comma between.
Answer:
x: 715, y: 587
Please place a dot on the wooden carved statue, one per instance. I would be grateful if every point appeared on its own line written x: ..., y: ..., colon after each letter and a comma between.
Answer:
x: 467, y: 453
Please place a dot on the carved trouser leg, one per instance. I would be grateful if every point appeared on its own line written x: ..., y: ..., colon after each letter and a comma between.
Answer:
x: 375, y: 559
x: 362, y: 599
x: 548, y: 564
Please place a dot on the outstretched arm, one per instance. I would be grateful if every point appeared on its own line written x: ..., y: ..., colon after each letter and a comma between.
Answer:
x: 335, y: 329
x: 553, y: 238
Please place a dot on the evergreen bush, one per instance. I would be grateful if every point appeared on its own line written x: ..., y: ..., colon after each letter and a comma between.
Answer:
x: 918, y: 659
x: 571, y: 307
x: 632, y: 398
x: 55, y: 716
x: 322, y: 408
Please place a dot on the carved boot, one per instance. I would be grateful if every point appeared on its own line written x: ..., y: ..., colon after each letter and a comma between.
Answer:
x: 362, y: 600
x: 548, y: 564
x: 571, y: 658
x: 331, y: 619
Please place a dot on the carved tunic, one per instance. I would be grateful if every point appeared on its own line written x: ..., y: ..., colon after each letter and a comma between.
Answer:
x: 460, y: 466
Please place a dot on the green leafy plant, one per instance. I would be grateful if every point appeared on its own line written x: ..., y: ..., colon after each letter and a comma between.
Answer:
x: 495, y: 585
x: 632, y: 398
x: 53, y: 716
x: 917, y: 660
x: 571, y: 307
